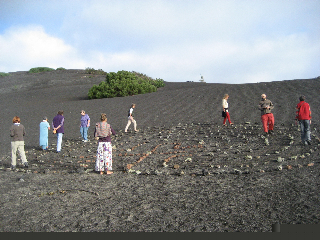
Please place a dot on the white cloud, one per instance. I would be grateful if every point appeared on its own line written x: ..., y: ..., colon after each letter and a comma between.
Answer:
x: 225, y: 41
x: 26, y: 47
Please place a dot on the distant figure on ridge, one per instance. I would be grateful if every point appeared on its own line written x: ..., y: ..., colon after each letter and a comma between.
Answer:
x: 303, y: 115
x: 58, y: 128
x: 267, y: 117
x: 84, y: 125
x: 103, y: 133
x: 17, y: 131
x: 225, y: 110
x: 131, y: 120
x: 44, y: 127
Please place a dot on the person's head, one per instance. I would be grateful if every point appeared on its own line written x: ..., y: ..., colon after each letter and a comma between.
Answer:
x: 263, y: 96
x: 60, y: 112
x: 16, y: 119
x: 226, y: 96
x: 103, y: 117
x: 133, y: 105
x: 302, y: 98
x: 45, y: 119
x: 83, y: 112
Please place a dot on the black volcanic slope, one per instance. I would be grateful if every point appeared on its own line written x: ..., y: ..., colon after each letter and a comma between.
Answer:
x: 183, y: 171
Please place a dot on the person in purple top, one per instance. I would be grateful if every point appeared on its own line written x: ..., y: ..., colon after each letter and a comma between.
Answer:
x: 58, y: 127
x: 84, y: 125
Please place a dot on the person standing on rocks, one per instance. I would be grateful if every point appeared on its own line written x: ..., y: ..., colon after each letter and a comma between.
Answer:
x: 84, y: 125
x: 225, y: 110
x: 131, y: 120
x: 267, y: 118
x: 58, y: 128
x: 303, y: 115
x: 17, y: 132
x: 44, y: 127
x: 102, y: 133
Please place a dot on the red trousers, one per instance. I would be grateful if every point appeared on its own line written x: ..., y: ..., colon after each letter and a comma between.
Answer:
x: 267, y: 121
x: 227, y: 117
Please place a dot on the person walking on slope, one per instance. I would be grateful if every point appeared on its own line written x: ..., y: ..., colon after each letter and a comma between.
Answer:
x: 17, y: 132
x: 225, y: 110
x: 303, y: 115
x: 131, y: 120
x: 267, y: 118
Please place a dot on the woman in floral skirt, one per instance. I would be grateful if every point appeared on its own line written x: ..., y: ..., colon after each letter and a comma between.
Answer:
x: 102, y: 133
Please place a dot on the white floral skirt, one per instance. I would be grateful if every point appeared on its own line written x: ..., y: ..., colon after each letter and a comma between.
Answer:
x: 104, y: 157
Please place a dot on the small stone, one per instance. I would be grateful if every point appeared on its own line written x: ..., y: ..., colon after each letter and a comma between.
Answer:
x: 188, y: 160
x: 310, y: 164
x: 279, y: 168
x: 280, y: 159
x: 262, y: 171
x: 289, y: 167
x: 176, y: 166
x: 248, y: 157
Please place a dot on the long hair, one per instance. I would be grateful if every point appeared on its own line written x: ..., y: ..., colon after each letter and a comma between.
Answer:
x: 225, y: 96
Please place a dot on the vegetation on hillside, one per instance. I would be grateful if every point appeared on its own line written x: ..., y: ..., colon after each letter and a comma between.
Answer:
x: 40, y: 69
x: 93, y: 71
x: 124, y: 83
x: 2, y: 74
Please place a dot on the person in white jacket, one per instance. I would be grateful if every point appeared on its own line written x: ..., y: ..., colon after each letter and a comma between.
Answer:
x: 225, y: 110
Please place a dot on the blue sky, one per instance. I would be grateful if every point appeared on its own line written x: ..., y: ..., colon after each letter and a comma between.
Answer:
x: 241, y: 41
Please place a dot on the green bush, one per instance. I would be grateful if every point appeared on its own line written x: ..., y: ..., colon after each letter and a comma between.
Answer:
x: 61, y: 68
x: 40, y: 69
x: 93, y: 71
x: 2, y: 74
x: 124, y: 83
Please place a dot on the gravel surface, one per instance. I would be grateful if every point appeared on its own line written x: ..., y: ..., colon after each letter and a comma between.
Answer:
x: 182, y: 172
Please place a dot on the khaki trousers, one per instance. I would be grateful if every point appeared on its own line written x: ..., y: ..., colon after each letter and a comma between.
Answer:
x: 134, y: 124
x: 17, y: 146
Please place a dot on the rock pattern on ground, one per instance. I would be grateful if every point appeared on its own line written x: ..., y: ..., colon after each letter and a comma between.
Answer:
x: 182, y: 171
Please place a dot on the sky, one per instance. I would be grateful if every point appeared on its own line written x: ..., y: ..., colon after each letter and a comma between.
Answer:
x: 228, y: 41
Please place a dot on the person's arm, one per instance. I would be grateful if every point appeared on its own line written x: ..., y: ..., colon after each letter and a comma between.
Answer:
x: 113, y: 131
x: 270, y: 105
x: 88, y: 124
x: 11, y: 131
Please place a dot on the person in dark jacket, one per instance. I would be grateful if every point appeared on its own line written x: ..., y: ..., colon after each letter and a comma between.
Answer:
x: 58, y: 128
x: 303, y: 115
x: 267, y: 118
x: 17, y: 132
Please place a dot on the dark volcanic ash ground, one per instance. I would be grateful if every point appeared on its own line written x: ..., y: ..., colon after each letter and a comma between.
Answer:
x: 183, y: 171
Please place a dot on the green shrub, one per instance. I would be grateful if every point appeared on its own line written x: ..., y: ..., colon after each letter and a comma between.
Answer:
x: 124, y: 83
x: 40, y: 69
x: 93, y: 71
x: 2, y: 74
x: 61, y: 68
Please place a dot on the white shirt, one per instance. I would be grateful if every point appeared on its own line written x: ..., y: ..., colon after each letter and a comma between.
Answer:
x: 225, y: 103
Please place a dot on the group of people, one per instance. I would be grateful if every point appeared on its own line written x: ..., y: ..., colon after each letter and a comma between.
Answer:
x: 303, y: 115
x: 102, y: 133
x: 103, y: 130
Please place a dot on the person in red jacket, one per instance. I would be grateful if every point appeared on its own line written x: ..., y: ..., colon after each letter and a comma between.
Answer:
x: 303, y: 115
